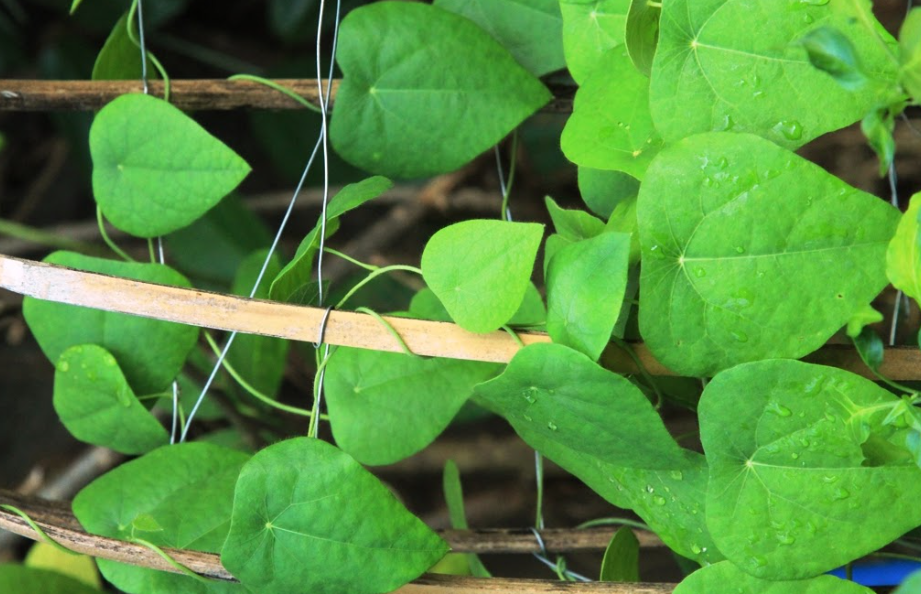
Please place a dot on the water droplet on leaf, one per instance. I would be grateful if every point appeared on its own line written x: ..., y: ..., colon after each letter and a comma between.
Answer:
x: 551, y: 426
x: 739, y: 335
x: 658, y: 500
x: 778, y: 409
x: 790, y: 129
x: 841, y: 493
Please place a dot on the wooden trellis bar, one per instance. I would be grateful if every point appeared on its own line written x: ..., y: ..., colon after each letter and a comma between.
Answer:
x: 190, y: 94
x: 56, y: 520
x: 253, y: 316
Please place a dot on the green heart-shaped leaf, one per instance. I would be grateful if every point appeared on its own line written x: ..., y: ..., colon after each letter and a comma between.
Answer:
x: 903, y: 259
x: 801, y: 462
x: 739, y: 238
x: 719, y: 67
x: 480, y: 270
x: 308, y: 518
x: 600, y: 427
x: 400, y: 116
x: 154, y: 169
x: 96, y: 404
x: 150, y: 353
x: 610, y: 127
x: 372, y: 396
x: 720, y: 576
x: 532, y: 30
x: 177, y: 496
x: 29, y: 580
x: 591, y: 28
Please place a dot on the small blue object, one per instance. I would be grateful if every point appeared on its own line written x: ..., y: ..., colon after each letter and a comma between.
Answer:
x: 879, y: 572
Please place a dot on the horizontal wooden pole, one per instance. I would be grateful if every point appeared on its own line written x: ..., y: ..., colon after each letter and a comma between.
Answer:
x: 188, y: 94
x: 56, y: 520
x: 253, y: 316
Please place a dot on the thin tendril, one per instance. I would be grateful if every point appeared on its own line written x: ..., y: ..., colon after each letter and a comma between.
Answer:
x: 539, y: 478
x: 507, y: 186
x: 374, y: 275
x: 38, y: 530
x: 642, y: 369
x: 172, y: 562
x: 108, y: 240
x: 613, y: 522
x: 313, y: 428
x: 390, y: 329
x: 280, y: 88
x: 348, y: 258
x: 514, y: 336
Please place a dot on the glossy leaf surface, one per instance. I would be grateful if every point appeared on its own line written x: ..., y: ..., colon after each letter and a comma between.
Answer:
x: 903, y: 259
x: 29, y: 580
x: 718, y: 67
x: 177, y: 496
x: 155, y: 170
x: 96, y: 404
x: 800, y: 463
x: 481, y: 269
x: 591, y: 28
x: 611, y: 127
x: 739, y: 238
x: 149, y: 352
x: 720, y: 576
x: 600, y: 427
x: 373, y: 396
x: 400, y: 116
x: 532, y: 30
x: 308, y: 517
x: 586, y: 283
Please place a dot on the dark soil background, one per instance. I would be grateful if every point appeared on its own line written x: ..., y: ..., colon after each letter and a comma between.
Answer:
x: 45, y: 183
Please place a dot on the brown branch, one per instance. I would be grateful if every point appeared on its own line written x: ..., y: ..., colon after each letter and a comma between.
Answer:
x: 253, y: 316
x: 201, y: 94
x: 57, y: 522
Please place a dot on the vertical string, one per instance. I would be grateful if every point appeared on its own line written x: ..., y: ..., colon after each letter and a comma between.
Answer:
x: 143, y: 46
x: 277, y: 239
x: 894, y: 200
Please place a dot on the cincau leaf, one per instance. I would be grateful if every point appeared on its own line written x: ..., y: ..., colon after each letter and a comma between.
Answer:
x: 149, y: 352
x: 722, y: 576
x: 373, y: 396
x: 29, y: 580
x: 532, y: 30
x: 600, y: 427
x: 480, y: 270
x: 801, y: 462
x: 308, y: 518
x: 903, y: 259
x: 739, y: 238
x: 155, y: 170
x: 96, y: 404
x: 439, y: 91
x: 177, y: 496
x: 591, y: 28
x: 719, y: 67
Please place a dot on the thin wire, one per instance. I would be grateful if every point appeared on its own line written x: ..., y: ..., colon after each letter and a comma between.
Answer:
x: 143, y: 46
x: 542, y: 557
x: 324, y: 112
x: 502, y: 184
x: 894, y: 200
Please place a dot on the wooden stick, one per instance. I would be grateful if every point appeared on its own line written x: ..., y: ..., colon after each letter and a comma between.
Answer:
x: 267, y: 318
x: 55, y: 519
x: 195, y: 94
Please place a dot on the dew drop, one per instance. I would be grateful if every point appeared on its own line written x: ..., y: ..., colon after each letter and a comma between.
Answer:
x: 808, y: 19
x: 659, y: 500
x: 696, y: 549
x: 758, y: 561
x: 726, y: 124
x: 785, y: 538
x: 529, y: 397
x: 63, y: 366
x: 739, y: 336
x: 771, y: 174
x: 794, y: 455
x: 740, y: 249
x: 722, y: 162
x: 676, y: 474
x: 700, y: 272
x: 708, y: 182
x: 841, y: 493
x: 790, y: 129
x: 551, y: 426
x: 778, y: 409
x: 650, y: 489
x: 656, y: 252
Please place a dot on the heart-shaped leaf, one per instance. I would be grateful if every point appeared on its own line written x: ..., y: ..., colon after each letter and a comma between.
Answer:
x: 96, y: 404
x: 155, y: 170
x: 720, y: 576
x: 372, y: 396
x: 480, y: 270
x: 801, y: 462
x: 610, y: 127
x: 718, y: 67
x: 591, y: 28
x: 903, y: 259
x: 586, y: 284
x: 177, y: 496
x: 150, y: 353
x: 739, y: 238
x: 400, y: 116
x: 532, y: 30
x: 600, y: 427
x: 308, y: 518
